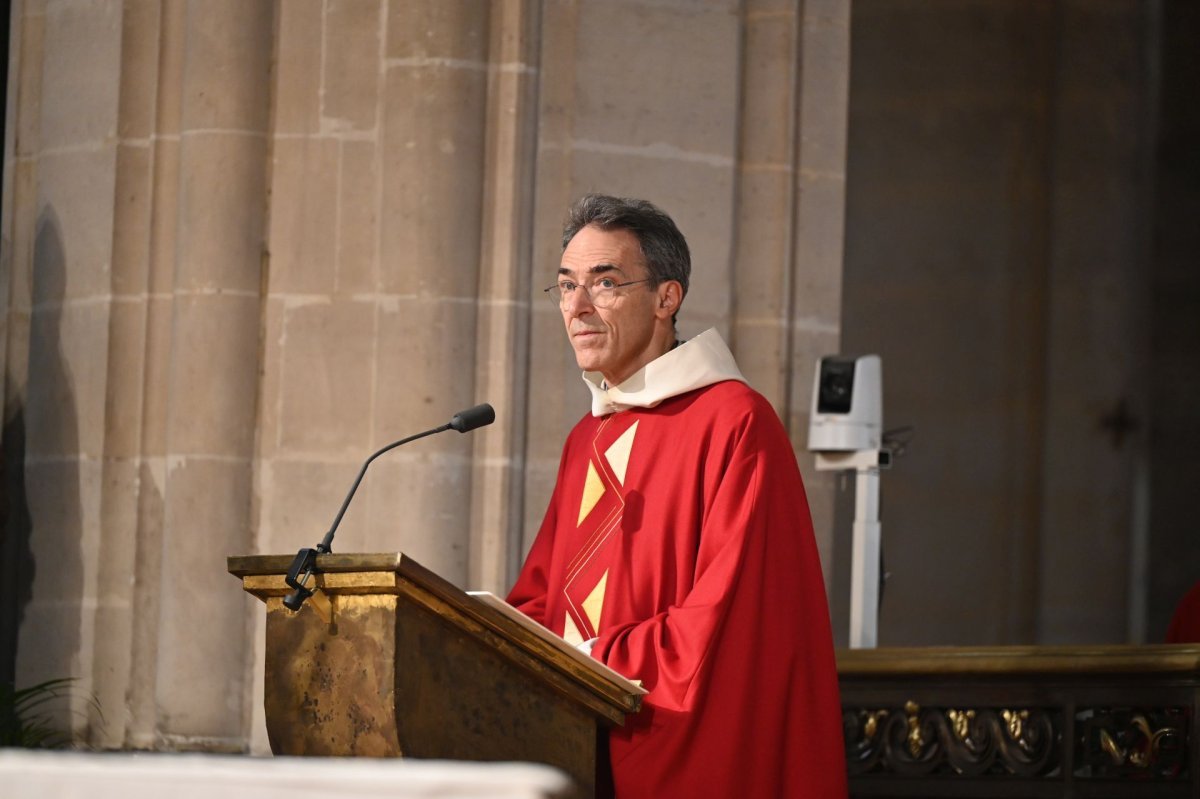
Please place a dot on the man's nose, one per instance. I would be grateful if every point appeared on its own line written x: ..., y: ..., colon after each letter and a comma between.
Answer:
x: 578, y: 302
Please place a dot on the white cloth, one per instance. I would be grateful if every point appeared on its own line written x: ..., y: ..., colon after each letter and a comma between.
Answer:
x: 694, y: 364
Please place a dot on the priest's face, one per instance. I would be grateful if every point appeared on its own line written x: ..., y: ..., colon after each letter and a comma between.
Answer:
x: 635, y: 328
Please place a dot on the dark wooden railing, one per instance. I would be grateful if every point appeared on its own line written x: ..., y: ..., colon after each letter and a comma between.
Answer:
x: 1114, y: 721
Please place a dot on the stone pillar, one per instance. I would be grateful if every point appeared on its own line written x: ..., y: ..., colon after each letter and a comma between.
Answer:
x: 505, y: 294
x: 790, y: 215
x: 62, y: 222
x: 432, y: 168
x: 126, y: 527
x: 213, y: 373
x: 375, y: 230
x: 605, y: 127
x: 146, y: 153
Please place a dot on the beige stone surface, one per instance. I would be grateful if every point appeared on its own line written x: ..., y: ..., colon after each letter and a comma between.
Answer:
x: 691, y: 50
x: 358, y: 217
x: 270, y: 398
x: 141, y: 21
x: 63, y: 502
x: 304, y: 217
x: 326, y: 380
x: 25, y: 65
x: 297, y: 94
x: 351, y: 68
x: 418, y: 30
x: 68, y: 382
x: 420, y: 505
x: 227, y: 66
x: 505, y: 295
x: 132, y: 207
x: 125, y: 378
x: 113, y: 618
x: 767, y: 91
x: 213, y: 375
x: 424, y: 363
x: 82, y: 54
x: 73, y: 228
x: 199, y: 669
x: 159, y: 311
x: 433, y: 137
x: 170, y: 72
x: 221, y: 197
x: 142, y: 720
x: 301, y: 498
x: 164, y: 224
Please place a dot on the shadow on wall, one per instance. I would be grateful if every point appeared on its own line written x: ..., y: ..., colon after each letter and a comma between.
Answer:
x: 16, y: 555
x: 42, y: 526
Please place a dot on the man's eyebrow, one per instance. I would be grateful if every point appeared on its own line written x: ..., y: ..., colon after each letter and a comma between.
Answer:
x: 598, y: 269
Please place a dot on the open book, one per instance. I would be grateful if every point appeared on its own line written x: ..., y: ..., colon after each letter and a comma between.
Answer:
x: 495, y: 602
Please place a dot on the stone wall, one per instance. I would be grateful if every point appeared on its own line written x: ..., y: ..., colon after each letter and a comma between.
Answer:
x: 247, y: 243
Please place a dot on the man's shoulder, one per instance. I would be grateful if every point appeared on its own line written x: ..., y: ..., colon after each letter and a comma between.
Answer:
x: 730, y: 396
x: 729, y: 403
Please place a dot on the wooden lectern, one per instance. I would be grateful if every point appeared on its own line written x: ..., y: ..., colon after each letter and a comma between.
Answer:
x: 387, y: 659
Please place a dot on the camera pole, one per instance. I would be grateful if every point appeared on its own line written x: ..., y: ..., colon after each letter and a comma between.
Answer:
x: 867, y: 534
x: 864, y: 564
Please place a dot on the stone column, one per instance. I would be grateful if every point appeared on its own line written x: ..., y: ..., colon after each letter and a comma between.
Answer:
x: 212, y: 373
x: 62, y: 220
x: 790, y: 215
x: 371, y: 313
x: 604, y: 126
x: 144, y: 149
x: 822, y: 101
x: 127, y: 476
x: 505, y: 293
x: 432, y: 169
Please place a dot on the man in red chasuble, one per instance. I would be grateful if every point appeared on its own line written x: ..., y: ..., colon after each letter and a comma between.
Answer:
x: 678, y: 547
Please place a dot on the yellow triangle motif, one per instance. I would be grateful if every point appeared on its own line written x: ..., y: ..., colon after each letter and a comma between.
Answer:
x: 618, y: 453
x: 593, y: 489
x: 594, y: 604
x: 571, y: 633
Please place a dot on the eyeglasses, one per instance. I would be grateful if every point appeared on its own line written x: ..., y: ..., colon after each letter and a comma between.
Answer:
x: 602, y: 293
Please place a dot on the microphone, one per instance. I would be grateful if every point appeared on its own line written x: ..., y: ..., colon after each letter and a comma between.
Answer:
x: 471, y: 418
x: 305, y: 563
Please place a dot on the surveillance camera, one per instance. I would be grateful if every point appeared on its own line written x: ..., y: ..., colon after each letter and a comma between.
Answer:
x: 847, y: 405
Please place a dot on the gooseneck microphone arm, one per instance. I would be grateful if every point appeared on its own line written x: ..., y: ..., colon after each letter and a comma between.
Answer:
x: 305, y: 563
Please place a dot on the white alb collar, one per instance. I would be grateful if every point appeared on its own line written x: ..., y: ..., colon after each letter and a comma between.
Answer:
x: 694, y: 364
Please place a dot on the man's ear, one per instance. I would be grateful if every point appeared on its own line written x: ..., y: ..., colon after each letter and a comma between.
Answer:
x: 670, y: 296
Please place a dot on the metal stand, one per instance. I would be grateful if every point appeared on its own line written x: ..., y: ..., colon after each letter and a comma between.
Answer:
x: 864, y: 566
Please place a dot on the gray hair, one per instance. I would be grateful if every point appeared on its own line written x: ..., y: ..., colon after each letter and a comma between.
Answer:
x: 663, y: 246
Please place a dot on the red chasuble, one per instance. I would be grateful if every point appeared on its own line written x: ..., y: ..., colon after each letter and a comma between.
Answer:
x: 679, y: 536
